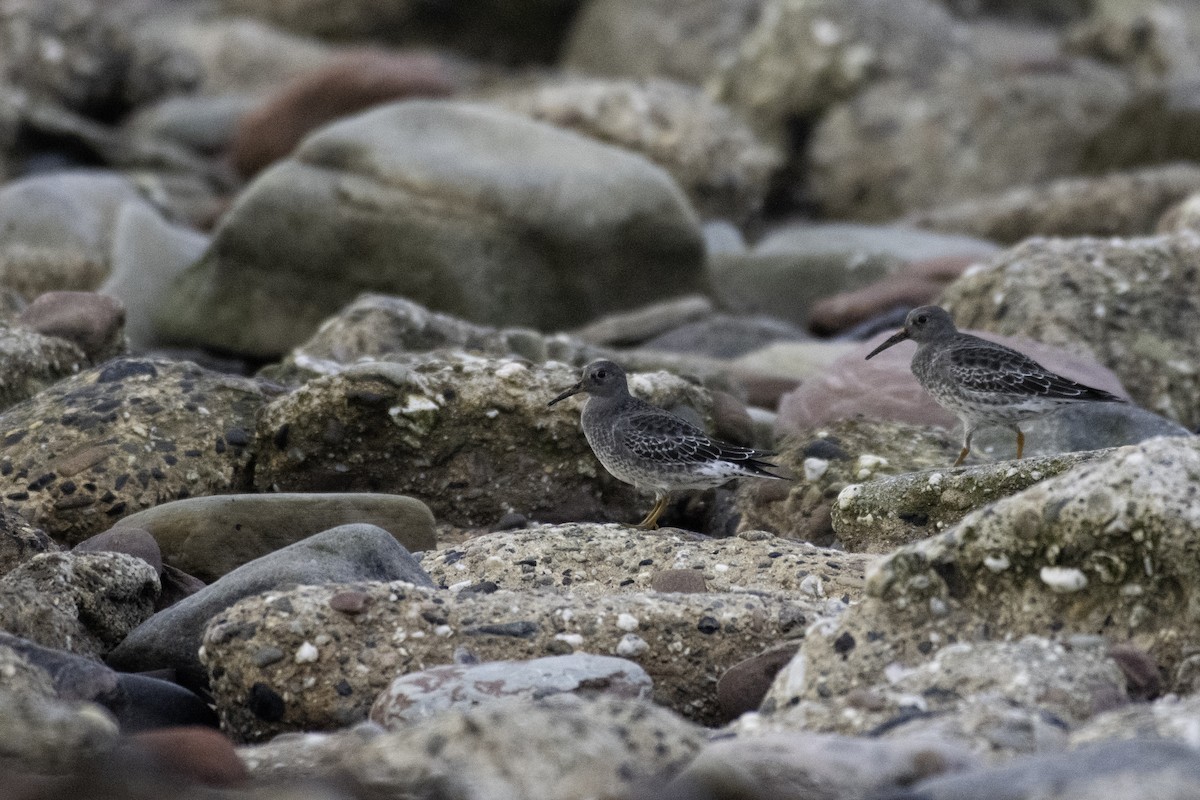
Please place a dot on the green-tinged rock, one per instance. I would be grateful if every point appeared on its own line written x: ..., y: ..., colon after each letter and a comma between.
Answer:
x: 210, y: 536
x: 431, y: 201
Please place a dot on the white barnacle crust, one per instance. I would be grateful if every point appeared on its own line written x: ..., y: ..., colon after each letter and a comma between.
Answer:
x: 1063, y: 579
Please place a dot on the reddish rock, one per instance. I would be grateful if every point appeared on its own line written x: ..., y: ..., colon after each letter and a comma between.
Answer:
x: 742, y: 687
x: 916, y: 284
x: 347, y: 84
x: 202, y: 754
x: 131, y: 541
x: 94, y: 322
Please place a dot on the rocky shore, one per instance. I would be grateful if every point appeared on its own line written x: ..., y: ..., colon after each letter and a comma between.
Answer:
x: 286, y: 287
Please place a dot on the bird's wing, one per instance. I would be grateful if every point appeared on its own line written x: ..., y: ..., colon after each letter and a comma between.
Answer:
x: 662, y: 436
x: 995, y: 369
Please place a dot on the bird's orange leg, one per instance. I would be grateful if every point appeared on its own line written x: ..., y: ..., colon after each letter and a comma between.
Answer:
x: 651, y: 520
x: 966, y: 448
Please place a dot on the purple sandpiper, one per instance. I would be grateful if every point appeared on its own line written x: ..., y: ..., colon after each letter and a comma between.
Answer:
x: 651, y: 448
x: 986, y: 384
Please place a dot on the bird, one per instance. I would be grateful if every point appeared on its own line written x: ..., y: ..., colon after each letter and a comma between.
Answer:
x: 651, y: 448
x: 984, y: 383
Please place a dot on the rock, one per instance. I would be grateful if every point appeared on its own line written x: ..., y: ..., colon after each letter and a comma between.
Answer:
x: 433, y: 174
x: 968, y: 132
x: 172, y: 637
x: 1136, y: 315
x: 290, y: 661
x: 202, y: 123
x: 726, y: 336
x: 469, y: 436
x: 658, y: 38
x: 1066, y: 556
x: 56, y: 230
x: 1170, y: 718
x: 148, y: 253
x: 39, y: 732
x: 825, y: 460
x: 709, y: 151
x: 72, y: 52
x: 598, y: 560
x: 814, y: 766
x: 916, y: 283
x: 20, y: 541
x: 678, y: 580
x: 744, y: 685
x: 381, y: 327
x: 789, y: 271
x: 561, y: 747
x: 1119, y: 203
x: 136, y: 702
x: 211, y: 536
x: 200, y: 753
x: 629, y: 328
x: 880, y: 515
x: 125, y: 436
x: 1135, y: 768
x: 82, y: 603
x: 92, y: 322
x: 948, y: 695
x: 130, y: 540
x: 345, y: 84
x: 784, y: 366
x: 802, y: 57
x: 227, y: 55
x: 31, y: 362
x: 420, y: 695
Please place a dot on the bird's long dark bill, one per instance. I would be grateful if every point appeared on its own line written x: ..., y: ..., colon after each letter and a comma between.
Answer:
x: 896, y: 338
x: 576, y: 389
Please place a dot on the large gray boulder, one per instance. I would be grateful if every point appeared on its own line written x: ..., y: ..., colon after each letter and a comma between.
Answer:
x: 463, y: 208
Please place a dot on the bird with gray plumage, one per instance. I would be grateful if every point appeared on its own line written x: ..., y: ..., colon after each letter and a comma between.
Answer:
x: 651, y: 448
x: 984, y: 383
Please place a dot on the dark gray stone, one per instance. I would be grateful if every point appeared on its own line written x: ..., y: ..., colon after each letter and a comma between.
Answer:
x: 171, y: 638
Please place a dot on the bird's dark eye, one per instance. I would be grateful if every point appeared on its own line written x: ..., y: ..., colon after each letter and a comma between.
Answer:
x: 921, y: 319
x: 601, y: 374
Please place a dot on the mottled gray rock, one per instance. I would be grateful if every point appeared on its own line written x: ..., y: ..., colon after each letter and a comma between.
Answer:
x: 879, y: 515
x: 1138, y: 314
x: 292, y: 660
x: 1172, y: 717
x: 30, y: 361
x: 385, y: 327
x: 210, y: 536
x: 56, y: 230
x: 561, y: 747
x: 658, y: 38
x: 40, y: 733
x: 83, y: 603
x: 469, y: 436
x: 793, y: 267
x: 1115, y: 769
x: 598, y: 560
x: 440, y: 198
x: 711, y: 153
x: 148, y: 253
x: 625, y: 328
x: 961, y: 684
x: 814, y: 766
x: 804, y: 55
x: 727, y: 336
x: 419, y: 695
x: 968, y: 132
x: 20, y: 541
x: 124, y: 436
x: 1107, y: 549
x: 825, y: 460
x: 1127, y: 203
x: 172, y: 637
